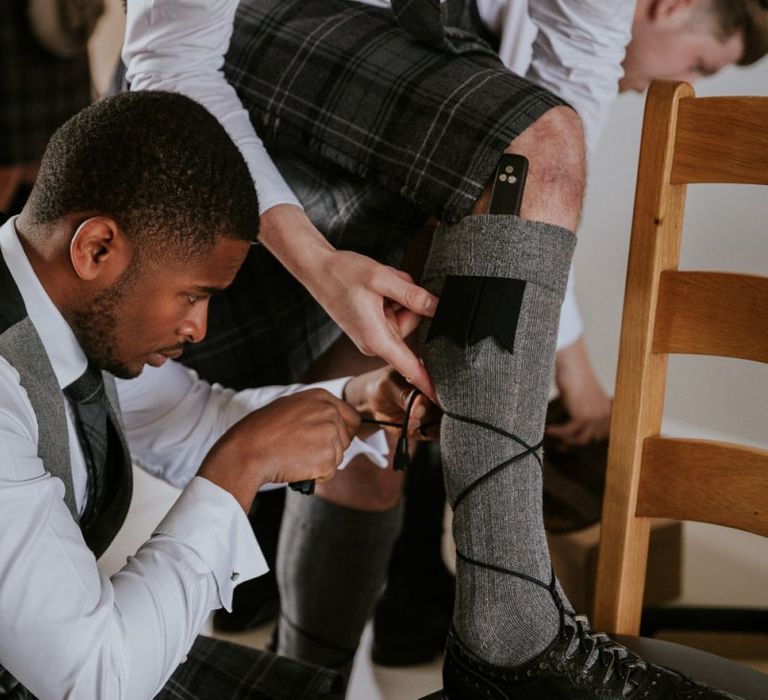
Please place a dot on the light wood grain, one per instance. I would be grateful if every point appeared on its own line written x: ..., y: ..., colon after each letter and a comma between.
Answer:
x: 710, y: 313
x: 722, y: 139
x: 705, y: 481
x: 641, y: 375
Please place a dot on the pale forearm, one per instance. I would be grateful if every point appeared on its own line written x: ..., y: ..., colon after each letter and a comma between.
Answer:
x: 287, y: 233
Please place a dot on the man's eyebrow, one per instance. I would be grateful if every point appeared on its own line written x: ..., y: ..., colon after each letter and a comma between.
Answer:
x: 205, y: 289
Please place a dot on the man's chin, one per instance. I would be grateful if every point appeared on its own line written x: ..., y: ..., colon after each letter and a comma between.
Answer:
x: 121, y: 370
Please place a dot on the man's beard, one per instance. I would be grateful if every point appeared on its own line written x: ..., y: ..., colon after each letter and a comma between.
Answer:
x: 95, y: 327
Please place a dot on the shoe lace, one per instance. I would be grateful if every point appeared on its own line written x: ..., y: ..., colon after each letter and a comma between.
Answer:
x: 601, y: 657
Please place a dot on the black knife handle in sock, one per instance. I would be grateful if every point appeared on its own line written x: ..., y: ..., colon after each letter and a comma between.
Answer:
x: 508, y: 185
x: 306, y: 487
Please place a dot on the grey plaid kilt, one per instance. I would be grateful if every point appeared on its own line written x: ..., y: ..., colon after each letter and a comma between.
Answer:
x: 375, y: 130
x: 218, y: 670
x: 38, y: 91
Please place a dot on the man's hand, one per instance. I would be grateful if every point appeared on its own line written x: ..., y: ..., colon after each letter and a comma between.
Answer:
x: 588, y: 406
x: 375, y: 305
x: 384, y: 395
x: 295, y: 438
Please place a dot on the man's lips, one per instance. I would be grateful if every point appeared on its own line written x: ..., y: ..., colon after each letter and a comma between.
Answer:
x: 157, y: 359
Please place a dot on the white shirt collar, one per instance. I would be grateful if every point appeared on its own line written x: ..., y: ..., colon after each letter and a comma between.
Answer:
x: 64, y: 352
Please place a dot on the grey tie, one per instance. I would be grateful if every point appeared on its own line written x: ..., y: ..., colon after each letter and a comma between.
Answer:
x: 104, y: 455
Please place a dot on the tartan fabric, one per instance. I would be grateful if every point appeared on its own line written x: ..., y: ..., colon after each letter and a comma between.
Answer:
x: 422, y: 19
x: 217, y: 669
x: 38, y: 91
x: 373, y: 131
x: 344, y: 82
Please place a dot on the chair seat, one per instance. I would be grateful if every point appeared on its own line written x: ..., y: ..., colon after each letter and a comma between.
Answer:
x: 701, y: 666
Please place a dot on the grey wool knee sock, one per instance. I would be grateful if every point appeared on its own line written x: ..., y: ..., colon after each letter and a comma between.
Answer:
x: 331, y: 566
x: 490, y: 351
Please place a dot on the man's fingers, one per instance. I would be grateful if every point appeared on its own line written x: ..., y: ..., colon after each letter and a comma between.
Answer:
x: 350, y: 417
x: 411, y: 296
x: 407, y: 321
x: 399, y: 355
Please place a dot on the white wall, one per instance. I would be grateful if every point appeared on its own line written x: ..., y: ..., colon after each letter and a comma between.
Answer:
x: 726, y: 228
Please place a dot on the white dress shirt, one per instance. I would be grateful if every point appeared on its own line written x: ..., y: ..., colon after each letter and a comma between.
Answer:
x: 66, y: 629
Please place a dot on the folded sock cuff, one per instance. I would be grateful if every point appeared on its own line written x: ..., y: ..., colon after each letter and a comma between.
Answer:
x: 493, y: 245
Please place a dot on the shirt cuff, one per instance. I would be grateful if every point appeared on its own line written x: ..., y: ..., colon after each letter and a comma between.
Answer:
x: 332, y: 386
x: 210, y: 521
x: 374, y: 447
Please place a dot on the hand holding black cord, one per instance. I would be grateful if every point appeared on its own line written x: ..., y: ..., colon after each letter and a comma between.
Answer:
x: 401, y: 457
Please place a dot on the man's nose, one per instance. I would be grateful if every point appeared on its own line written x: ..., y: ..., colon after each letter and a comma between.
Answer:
x: 195, y: 325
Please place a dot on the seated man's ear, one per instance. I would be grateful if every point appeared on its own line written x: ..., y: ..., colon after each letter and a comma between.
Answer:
x: 99, y: 251
x: 673, y: 14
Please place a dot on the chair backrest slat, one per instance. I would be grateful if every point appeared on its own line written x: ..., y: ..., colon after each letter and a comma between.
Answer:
x: 705, y: 481
x: 712, y: 313
x: 721, y: 139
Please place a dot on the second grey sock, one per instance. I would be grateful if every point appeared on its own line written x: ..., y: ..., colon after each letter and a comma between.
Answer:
x: 331, y: 566
x: 504, y: 619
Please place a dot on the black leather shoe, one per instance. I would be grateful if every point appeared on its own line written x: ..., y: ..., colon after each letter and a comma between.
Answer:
x: 577, y: 665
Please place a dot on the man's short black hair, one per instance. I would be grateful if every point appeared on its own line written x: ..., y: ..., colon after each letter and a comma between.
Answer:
x: 159, y: 164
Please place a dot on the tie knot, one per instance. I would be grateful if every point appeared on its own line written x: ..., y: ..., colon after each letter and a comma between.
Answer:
x: 87, y: 388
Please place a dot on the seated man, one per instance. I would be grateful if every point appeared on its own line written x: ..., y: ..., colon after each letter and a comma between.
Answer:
x: 109, y: 268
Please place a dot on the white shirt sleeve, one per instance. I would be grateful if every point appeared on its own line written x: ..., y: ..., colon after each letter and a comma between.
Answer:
x: 578, y: 52
x: 172, y: 419
x: 571, y: 326
x: 179, y: 45
x: 70, y: 631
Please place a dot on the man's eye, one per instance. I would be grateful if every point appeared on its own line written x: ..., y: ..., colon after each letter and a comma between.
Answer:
x: 192, y: 298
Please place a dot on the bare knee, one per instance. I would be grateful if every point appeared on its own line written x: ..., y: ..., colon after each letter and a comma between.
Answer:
x: 364, y: 486
x: 555, y: 148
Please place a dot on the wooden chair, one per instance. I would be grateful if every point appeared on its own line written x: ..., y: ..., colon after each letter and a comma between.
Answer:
x: 685, y: 140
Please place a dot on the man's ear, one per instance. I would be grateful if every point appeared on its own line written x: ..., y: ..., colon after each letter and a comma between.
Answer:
x: 99, y: 250
x: 671, y: 14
